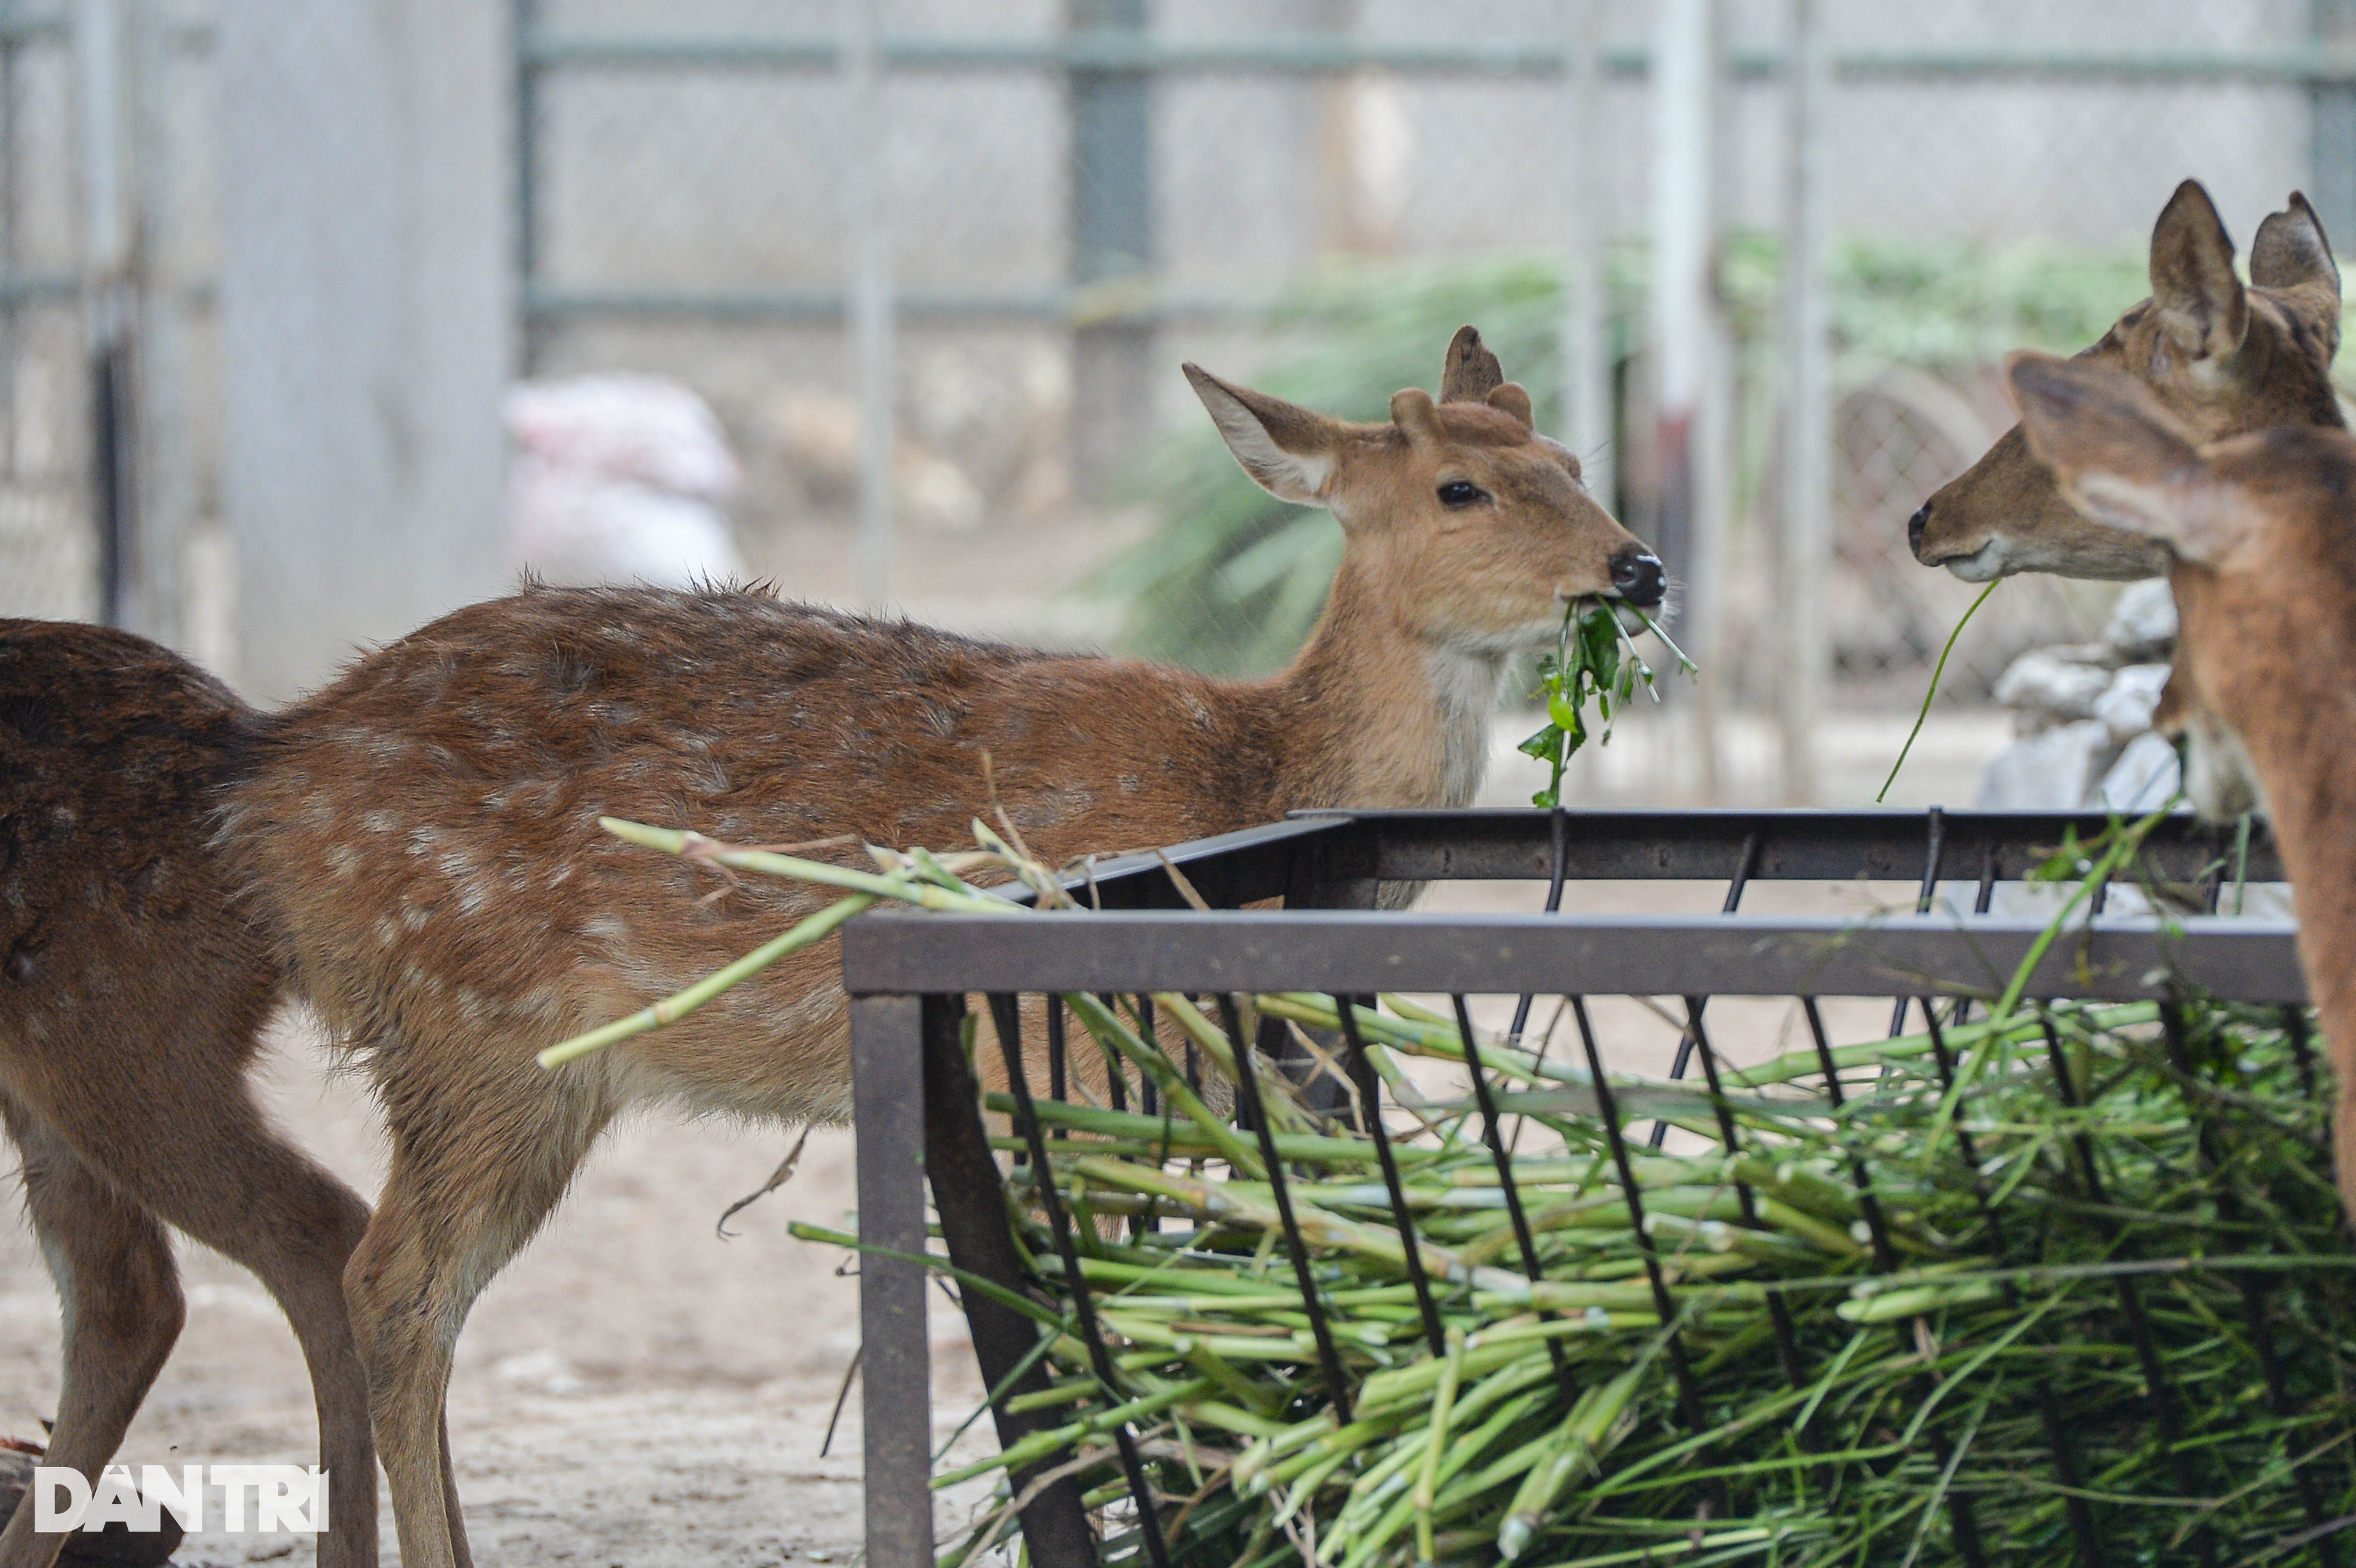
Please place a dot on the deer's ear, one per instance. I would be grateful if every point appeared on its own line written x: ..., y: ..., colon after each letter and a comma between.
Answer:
x: 2118, y: 455
x: 1470, y: 372
x: 2201, y: 304
x: 1290, y: 451
x: 2291, y: 257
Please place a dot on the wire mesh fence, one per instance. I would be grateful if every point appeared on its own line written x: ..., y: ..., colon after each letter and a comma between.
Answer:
x: 1077, y: 193
x: 683, y: 181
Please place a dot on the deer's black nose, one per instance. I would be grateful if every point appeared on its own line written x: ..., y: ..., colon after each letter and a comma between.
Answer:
x: 1638, y: 576
x: 1914, y: 526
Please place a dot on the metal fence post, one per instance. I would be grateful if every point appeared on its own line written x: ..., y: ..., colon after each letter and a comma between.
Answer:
x: 1808, y: 498
x: 1112, y: 249
x: 1691, y: 408
x: 971, y: 1200
x: 871, y: 300
x: 2332, y: 179
x: 1586, y: 353
x: 100, y: 57
x: 167, y: 480
x: 523, y: 18
x: 896, y: 1366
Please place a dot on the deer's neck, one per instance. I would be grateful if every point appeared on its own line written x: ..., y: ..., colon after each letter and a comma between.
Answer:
x: 2310, y: 784
x: 1372, y: 715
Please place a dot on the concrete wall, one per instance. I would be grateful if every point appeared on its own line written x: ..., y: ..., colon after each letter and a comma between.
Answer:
x: 368, y: 319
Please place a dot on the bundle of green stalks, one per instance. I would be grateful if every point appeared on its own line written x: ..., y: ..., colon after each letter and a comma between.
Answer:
x: 2052, y: 1283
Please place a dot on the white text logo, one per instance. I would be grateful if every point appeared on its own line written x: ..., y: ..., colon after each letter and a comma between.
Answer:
x: 290, y: 1498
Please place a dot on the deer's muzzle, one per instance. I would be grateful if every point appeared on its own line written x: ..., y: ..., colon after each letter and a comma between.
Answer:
x: 1638, y: 577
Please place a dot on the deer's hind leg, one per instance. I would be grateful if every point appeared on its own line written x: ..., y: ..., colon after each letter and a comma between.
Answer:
x: 240, y: 1189
x: 483, y: 1148
x: 120, y: 1289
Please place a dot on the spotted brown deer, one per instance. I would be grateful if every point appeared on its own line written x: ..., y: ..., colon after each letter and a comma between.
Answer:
x: 2260, y: 535
x: 2222, y: 357
x: 418, y: 842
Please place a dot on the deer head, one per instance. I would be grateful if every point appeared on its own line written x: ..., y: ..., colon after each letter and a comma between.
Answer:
x: 2259, y: 533
x: 1464, y: 533
x: 2219, y: 358
x: 1471, y: 526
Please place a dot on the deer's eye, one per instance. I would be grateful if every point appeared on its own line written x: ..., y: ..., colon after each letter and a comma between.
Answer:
x: 1459, y: 493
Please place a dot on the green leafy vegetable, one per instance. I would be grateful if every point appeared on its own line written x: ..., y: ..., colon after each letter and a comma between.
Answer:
x: 1593, y: 659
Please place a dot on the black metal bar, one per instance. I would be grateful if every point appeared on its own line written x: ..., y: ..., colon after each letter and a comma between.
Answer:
x: 1884, y: 1256
x: 1111, y: 222
x: 1494, y: 1137
x: 2075, y: 1505
x: 1272, y: 1040
x: 1228, y: 870
x: 1742, y: 877
x: 524, y: 21
x: 1354, y: 953
x: 1365, y: 846
x: 1148, y: 1100
x: 1673, y: 846
x: 1193, y: 1064
x: 1329, y: 1357
x: 1779, y: 1313
x: 2307, y: 62
x: 1980, y: 903
x: 1007, y: 1016
x: 1964, y: 1140
x: 1934, y: 852
x: 1058, y: 1088
x: 1115, y: 1074
x: 1678, y: 1070
x: 2295, y: 1028
x: 1370, y: 1100
x: 2331, y: 120
x: 2178, y: 1033
x: 2155, y: 1374
x: 896, y: 1359
x: 970, y: 1199
x: 1734, y: 890
x: 114, y: 498
x: 1560, y: 855
x: 1607, y: 1106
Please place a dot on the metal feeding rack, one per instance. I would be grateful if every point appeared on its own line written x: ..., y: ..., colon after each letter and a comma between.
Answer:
x: 909, y: 977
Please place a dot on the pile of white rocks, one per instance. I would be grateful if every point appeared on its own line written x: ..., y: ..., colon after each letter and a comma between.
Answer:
x: 2082, y: 716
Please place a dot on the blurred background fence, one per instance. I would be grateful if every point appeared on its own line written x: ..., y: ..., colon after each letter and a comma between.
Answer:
x: 933, y: 264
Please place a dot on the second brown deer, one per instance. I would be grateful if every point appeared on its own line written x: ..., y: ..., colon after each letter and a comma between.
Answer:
x: 2260, y: 533
x: 420, y: 839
